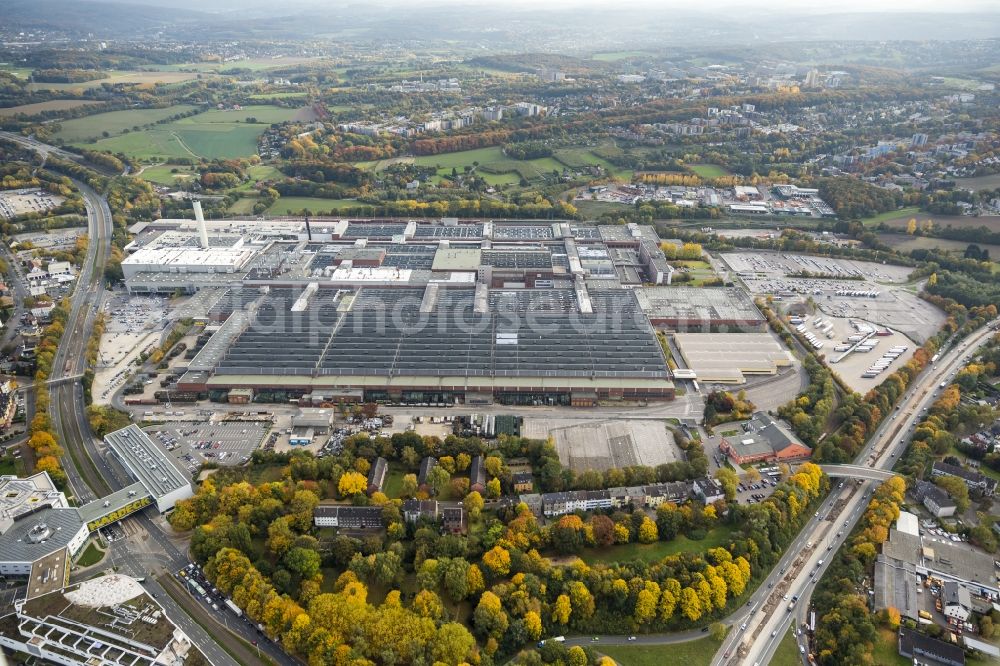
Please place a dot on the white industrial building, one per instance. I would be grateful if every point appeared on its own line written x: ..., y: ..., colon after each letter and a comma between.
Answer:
x: 147, y: 464
x: 183, y: 252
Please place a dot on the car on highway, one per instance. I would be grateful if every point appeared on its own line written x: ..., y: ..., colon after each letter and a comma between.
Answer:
x: 631, y: 638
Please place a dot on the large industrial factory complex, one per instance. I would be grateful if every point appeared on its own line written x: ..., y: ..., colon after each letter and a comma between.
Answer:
x: 432, y: 311
x: 442, y: 311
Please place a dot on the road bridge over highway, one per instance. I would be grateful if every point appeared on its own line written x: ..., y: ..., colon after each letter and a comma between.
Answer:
x: 857, y: 472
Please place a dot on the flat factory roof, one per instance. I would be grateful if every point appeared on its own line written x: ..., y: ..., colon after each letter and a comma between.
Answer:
x: 147, y: 462
x: 710, y: 305
x: 726, y: 357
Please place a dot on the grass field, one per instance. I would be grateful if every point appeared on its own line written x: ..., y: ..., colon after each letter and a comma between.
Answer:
x: 41, y: 107
x: 594, y: 209
x: 655, y: 552
x: 91, y: 555
x: 393, y: 482
x: 708, y: 171
x: 243, y: 206
x: 495, y: 167
x: 213, y: 135
x: 577, y: 158
x: 114, y: 122
x: 903, y: 214
x: 694, y: 653
x: 886, y: 651
x: 292, y: 205
x: 787, y: 653
x: 162, y: 174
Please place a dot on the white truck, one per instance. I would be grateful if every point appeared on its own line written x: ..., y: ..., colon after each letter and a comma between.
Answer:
x: 233, y: 607
x: 554, y: 639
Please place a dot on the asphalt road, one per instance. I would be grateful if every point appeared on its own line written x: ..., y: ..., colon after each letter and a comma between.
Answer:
x: 881, y: 452
x: 97, y: 474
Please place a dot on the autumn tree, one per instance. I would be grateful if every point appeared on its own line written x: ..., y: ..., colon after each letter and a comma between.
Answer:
x: 351, y: 484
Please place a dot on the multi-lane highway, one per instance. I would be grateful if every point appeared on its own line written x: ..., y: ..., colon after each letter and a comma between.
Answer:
x: 756, y: 643
x: 90, y: 471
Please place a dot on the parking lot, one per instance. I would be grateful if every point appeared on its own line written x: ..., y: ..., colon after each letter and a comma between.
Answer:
x: 19, y: 202
x: 226, y: 442
x: 852, y: 289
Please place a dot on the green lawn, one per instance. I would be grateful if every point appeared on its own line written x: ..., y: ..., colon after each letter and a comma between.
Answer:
x: 788, y: 653
x: 393, y: 482
x: 243, y: 206
x: 163, y: 174
x: 708, y: 171
x: 891, y: 215
x: 693, y: 653
x: 291, y: 205
x: 113, y: 122
x: 9, y: 466
x: 91, y: 555
x: 654, y: 552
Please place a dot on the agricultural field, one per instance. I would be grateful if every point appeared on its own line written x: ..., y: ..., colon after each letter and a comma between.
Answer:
x: 212, y: 135
x: 907, y: 243
x: 118, y: 78
x: 41, y: 107
x: 991, y: 222
x: 977, y: 183
x: 708, y: 171
x: 291, y: 205
x: 903, y: 214
x: 615, y: 56
x: 113, y: 122
x: 278, y: 95
x: 252, y: 64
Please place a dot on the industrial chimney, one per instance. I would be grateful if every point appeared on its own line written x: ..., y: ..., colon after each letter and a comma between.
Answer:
x: 308, y: 230
x: 202, y: 230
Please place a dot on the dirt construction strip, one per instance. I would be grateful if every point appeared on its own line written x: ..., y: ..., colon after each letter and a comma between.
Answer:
x: 236, y: 647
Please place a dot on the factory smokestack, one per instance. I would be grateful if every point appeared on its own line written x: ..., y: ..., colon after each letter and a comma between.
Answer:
x: 309, y: 232
x: 202, y: 230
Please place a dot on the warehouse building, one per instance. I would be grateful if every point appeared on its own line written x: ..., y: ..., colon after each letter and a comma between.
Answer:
x: 701, y: 309
x: 764, y: 440
x: 521, y: 346
x: 726, y: 358
x: 163, y: 482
